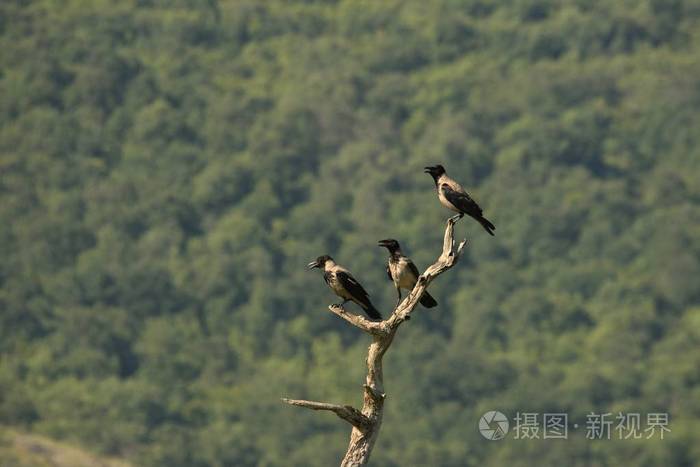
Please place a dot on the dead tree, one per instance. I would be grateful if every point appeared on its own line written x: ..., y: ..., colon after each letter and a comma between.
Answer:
x: 366, y: 422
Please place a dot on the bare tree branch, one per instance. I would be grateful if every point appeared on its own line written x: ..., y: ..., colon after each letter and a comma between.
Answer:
x: 346, y: 412
x: 366, y: 423
x: 372, y: 327
x: 448, y: 258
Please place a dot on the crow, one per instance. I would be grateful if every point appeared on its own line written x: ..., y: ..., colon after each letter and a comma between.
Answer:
x: 454, y: 197
x: 344, y: 285
x: 403, y: 272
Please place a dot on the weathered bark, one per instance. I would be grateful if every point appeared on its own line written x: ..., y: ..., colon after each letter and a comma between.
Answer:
x: 366, y: 422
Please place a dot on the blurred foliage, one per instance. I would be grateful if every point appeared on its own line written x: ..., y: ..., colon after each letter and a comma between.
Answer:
x: 168, y: 168
x: 23, y: 450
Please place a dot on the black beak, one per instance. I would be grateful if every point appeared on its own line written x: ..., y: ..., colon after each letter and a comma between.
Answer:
x: 388, y: 244
x: 313, y: 264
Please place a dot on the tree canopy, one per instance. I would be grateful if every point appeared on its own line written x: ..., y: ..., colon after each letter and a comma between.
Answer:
x: 168, y: 168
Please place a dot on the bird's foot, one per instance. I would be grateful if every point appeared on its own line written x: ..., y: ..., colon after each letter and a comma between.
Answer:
x: 338, y: 306
x: 455, y: 218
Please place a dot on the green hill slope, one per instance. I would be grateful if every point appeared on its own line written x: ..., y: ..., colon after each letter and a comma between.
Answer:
x: 25, y: 450
x: 167, y: 170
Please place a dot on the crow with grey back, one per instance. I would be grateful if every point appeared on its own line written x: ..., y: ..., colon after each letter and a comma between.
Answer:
x: 344, y: 285
x: 454, y: 197
x: 403, y: 272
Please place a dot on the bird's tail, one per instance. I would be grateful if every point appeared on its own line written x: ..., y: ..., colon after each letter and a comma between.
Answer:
x: 428, y: 301
x: 486, y: 224
x: 371, y: 311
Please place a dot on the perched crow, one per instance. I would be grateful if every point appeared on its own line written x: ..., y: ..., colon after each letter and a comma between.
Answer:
x: 344, y: 285
x: 403, y: 272
x: 454, y: 197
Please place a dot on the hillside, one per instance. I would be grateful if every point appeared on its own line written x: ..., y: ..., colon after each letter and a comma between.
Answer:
x: 24, y: 450
x: 167, y: 170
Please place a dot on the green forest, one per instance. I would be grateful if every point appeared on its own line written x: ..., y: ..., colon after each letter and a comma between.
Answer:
x: 168, y: 169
